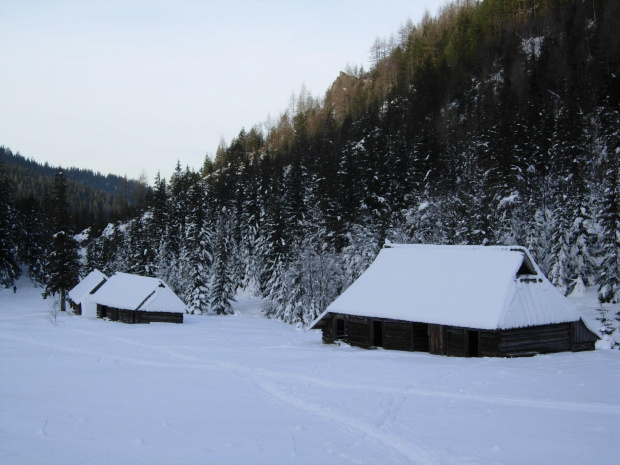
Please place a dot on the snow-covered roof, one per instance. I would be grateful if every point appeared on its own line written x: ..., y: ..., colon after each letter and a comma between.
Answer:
x: 468, y: 286
x: 86, y: 285
x: 133, y: 292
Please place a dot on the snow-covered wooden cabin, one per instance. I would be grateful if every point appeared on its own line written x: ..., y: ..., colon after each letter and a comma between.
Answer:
x: 138, y: 299
x: 80, y: 295
x: 466, y: 301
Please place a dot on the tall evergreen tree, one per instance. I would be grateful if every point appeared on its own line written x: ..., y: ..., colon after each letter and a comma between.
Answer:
x: 35, y: 239
x: 9, y: 262
x: 609, y: 280
x: 197, y: 251
x: 63, y: 263
x: 222, y: 288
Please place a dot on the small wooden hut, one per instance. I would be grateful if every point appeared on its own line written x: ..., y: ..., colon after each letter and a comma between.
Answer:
x: 138, y: 299
x: 467, y: 301
x: 80, y: 295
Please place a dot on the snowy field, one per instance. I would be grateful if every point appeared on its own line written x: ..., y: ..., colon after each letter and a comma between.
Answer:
x: 246, y: 390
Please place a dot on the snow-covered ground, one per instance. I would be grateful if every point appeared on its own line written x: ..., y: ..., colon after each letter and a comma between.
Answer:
x: 243, y: 390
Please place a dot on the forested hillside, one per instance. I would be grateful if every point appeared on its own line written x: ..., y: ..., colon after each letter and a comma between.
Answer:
x: 93, y: 196
x: 494, y: 123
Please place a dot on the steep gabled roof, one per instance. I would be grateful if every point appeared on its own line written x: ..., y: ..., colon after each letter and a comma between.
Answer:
x: 87, y: 285
x: 468, y: 286
x: 132, y: 292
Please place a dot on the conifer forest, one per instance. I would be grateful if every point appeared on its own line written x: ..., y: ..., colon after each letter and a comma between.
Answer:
x: 495, y: 122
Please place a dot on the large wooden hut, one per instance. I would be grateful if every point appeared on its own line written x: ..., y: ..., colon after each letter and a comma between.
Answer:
x: 468, y: 301
x: 130, y: 298
x: 80, y: 295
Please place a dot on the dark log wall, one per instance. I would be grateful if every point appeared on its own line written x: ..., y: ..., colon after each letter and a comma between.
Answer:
x: 127, y: 316
x: 581, y: 337
x: 534, y: 340
x: 455, y: 342
x: 101, y: 311
x: 132, y: 316
x: 458, y: 341
x: 158, y: 317
x: 112, y: 313
x: 77, y: 308
x: 397, y: 336
x: 436, y: 337
x: 328, y: 330
x: 357, y: 332
x: 489, y: 341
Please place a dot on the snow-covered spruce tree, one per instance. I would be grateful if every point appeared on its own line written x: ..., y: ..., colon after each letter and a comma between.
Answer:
x: 199, y: 270
x: 35, y: 240
x: 112, y: 251
x: 156, y: 221
x: 63, y: 265
x: 313, y: 278
x: 362, y: 248
x: 276, y: 289
x: 540, y: 237
x: 170, y: 265
x: 566, y: 156
x: 608, y: 124
x: 94, y: 245
x: 9, y: 266
x: 250, y: 244
x: 140, y: 255
x: 558, y: 273
x: 581, y: 263
x: 607, y: 327
x: 157, y: 225
x: 272, y: 247
x: 323, y: 278
x: 472, y: 200
x: 197, y: 250
x: 609, y: 280
x: 222, y: 287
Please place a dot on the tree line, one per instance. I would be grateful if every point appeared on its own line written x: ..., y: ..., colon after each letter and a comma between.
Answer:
x: 93, y: 197
x: 495, y: 123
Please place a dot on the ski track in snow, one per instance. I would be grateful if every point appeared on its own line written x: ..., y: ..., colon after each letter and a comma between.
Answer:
x: 405, y: 447
x: 257, y: 374
x: 411, y: 451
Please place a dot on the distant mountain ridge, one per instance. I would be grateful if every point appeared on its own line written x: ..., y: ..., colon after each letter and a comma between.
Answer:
x: 92, y: 196
x: 107, y: 183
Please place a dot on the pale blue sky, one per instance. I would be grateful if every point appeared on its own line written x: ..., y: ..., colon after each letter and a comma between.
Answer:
x: 126, y: 86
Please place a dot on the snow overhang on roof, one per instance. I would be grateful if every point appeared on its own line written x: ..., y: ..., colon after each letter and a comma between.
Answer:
x: 132, y: 292
x: 493, y: 287
x: 86, y: 285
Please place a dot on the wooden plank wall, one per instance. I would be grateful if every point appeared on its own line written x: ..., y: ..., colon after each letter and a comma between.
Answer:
x: 101, y: 311
x: 489, y: 341
x: 158, y: 317
x: 329, y: 330
x: 127, y: 316
x: 131, y: 316
x: 112, y: 313
x: 535, y: 340
x: 397, y: 335
x: 455, y: 341
x: 357, y: 332
x: 581, y: 337
x: 436, y: 338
